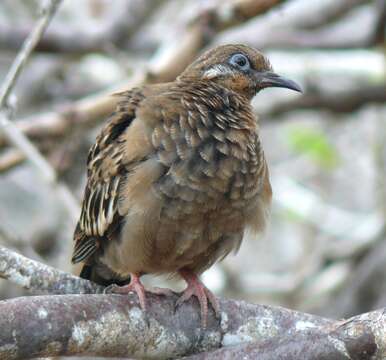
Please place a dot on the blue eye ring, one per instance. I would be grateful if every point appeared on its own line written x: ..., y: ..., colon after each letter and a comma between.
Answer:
x: 240, y: 61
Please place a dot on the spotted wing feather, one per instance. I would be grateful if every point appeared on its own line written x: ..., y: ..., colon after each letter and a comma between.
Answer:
x: 106, y: 168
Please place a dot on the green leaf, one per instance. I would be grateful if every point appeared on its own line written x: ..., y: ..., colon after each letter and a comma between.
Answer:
x: 315, y: 144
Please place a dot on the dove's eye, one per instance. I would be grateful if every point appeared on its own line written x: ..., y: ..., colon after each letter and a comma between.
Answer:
x: 240, y: 61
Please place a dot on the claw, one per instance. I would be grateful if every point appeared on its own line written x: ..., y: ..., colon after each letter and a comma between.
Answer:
x: 110, y: 289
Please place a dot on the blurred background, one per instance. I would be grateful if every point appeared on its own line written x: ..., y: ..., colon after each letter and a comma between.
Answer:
x: 325, y: 249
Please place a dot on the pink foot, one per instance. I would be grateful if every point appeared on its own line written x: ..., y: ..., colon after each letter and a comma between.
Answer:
x: 137, y: 287
x: 134, y: 286
x: 204, y: 295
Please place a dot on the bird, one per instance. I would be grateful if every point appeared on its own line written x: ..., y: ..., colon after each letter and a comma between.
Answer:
x: 177, y: 175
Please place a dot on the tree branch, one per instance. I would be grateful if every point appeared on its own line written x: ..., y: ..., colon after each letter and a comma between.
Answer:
x: 361, y: 290
x: 345, y: 101
x: 378, y: 37
x: 10, y: 158
x: 62, y: 39
x: 303, y: 29
x: 114, y: 326
x: 355, y: 338
x: 39, y: 278
x: 330, y: 13
x: 26, y: 50
x: 12, y: 133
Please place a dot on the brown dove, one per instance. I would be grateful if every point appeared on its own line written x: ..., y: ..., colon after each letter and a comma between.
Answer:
x: 177, y: 175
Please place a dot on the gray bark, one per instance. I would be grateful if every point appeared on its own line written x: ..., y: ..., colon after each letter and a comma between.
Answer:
x: 114, y: 326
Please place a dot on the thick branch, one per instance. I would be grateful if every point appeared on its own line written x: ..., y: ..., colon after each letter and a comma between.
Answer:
x: 113, y: 325
x: 352, y: 339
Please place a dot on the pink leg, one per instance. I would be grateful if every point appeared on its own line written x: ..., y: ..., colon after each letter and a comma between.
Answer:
x: 204, y: 295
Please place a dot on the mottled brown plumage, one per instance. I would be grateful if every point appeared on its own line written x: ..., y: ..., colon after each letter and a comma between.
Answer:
x: 177, y: 175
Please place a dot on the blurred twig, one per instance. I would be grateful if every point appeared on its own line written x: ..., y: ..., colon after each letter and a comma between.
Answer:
x: 361, y: 229
x: 304, y: 28
x: 62, y: 39
x: 20, y: 141
x: 331, y: 11
x: 10, y: 158
x: 8, y: 237
x: 171, y: 58
x: 345, y: 101
x: 364, y: 287
x: 380, y: 23
x: 177, y: 53
x: 11, y: 132
x: 26, y: 50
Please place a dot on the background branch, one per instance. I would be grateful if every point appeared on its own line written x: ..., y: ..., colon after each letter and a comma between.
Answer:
x: 11, y: 131
x: 170, y: 59
x: 333, y: 11
x: 61, y: 39
x: 26, y: 50
x: 337, y: 102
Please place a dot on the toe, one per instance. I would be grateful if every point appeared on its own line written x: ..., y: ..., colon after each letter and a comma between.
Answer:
x: 214, y: 302
x: 139, y: 290
x: 186, y: 295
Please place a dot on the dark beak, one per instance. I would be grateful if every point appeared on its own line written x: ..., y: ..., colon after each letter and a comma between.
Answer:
x: 270, y: 79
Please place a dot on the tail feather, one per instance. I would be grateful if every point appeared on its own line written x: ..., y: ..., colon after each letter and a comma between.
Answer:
x: 101, y: 275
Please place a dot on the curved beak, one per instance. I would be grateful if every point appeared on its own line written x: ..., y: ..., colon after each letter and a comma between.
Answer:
x: 270, y: 79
